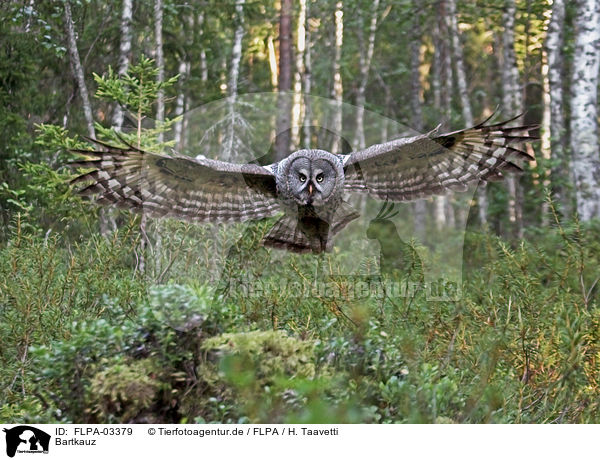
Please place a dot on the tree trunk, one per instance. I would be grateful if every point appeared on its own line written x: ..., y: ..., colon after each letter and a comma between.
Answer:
x: 337, y: 93
x: 439, y: 208
x: 236, y: 52
x: 194, y: 32
x: 199, y: 29
x: 232, y: 81
x: 584, y: 112
x: 419, y: 206
x: 106, y: 222
x: 365, y: 67
x: 78, y: 71
x: 512, y: 105
x: 284, y: 83
x: 442, y: 87
x: 124, y: 51
x: 461, y: 83
x: 307, y: 80
x: 183, y: 70
x: 459, y: 66
x: 554, y: 48
x: 160, y: 63
x: 298, y: 109
x: 203, y: 60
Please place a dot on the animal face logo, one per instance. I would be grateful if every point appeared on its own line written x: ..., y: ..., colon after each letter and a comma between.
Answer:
x: 26, y: 439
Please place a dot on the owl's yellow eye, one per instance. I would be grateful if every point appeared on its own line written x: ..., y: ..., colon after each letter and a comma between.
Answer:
x: 302, y: 178
x: 319, y: 177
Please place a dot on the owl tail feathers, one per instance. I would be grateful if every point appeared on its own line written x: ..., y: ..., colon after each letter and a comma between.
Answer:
x: 309, y: 234
x: 286, y: 234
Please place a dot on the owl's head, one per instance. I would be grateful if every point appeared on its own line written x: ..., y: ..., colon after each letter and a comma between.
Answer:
x: 313, y: 177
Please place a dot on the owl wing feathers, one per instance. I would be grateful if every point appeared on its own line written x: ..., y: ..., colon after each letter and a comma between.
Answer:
x: 197, y: 190
x: 416, y: 167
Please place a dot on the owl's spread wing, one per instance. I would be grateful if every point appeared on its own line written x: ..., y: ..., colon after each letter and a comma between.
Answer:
x: 198, y: 190
x: 416, y: 167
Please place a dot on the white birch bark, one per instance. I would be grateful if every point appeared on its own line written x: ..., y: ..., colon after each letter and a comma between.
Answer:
x: 236, y: 51
x: 203, y: 60
x: 584, y: 111
x: 106, y: 221
x: 442, y: 87
x: 436, y: 87
x: 124, y: 51
x: 78, y: 71
x: 338, y: 89
x: 546, y: 142
x: 232, y: 81
x: 203, y: 79
x: 459, y: 65
x: 307, y: 80
x: 365, y: 58
x: 416, y: 102
x: 298, y: 105
x: 461, y: 83
x: 160, y: 63
x: 183, y: 70
x: 557, y: 124
x: 511, y: 102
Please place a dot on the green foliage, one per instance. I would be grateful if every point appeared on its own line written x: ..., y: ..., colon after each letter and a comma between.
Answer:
x: 136, y: 91
x: 521, y: 346
x: 45, y: 286
x: 123, y: 391
x: 78, y: 372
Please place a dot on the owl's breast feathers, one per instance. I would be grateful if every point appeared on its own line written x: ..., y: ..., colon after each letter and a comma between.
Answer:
x: 306, y: 229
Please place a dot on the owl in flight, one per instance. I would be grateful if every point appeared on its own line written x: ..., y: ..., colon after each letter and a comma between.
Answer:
x: 308, y: 186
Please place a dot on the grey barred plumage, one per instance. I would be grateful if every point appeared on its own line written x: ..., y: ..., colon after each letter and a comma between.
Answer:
x: 307, y: 186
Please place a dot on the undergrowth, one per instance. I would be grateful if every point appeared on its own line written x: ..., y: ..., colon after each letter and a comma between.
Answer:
x: 87, y: 338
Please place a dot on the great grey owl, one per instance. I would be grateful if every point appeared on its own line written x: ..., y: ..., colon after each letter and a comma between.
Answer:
x: 308, y: 186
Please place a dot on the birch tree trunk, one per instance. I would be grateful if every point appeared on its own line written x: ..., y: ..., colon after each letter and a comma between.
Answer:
x: 203, y: 60
x: 459, y: 65
x: 106, y: 222
x: 298, y: 108
x: 236, y: 52
x: 160, y: 118
x: 439, y: 202
x: 554, y: 50
x: 465, y: 103
x: 307, y: 80
x: 511, y: 103
x: 232, y: 81
x: 419, y: 206
x: 338, y: 89
x: 160, y: 63
x: 461, y: 83
x: 442, y: 87
x: 78, y: 73
x: 584, y: 111
x: 183, y: 70
x: 193, y: 22
x: 199, y: 30
x: 124, y: 51
x: 365, y: 58
x: 284, y: 82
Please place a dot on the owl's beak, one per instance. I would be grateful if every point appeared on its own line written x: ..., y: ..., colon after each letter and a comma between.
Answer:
x: 310, y: 189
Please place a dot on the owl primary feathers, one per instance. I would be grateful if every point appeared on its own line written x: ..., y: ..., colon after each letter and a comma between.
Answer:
x: 308, y: 186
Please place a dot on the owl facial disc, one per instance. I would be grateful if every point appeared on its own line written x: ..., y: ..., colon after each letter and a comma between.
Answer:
x: 313, y: 177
